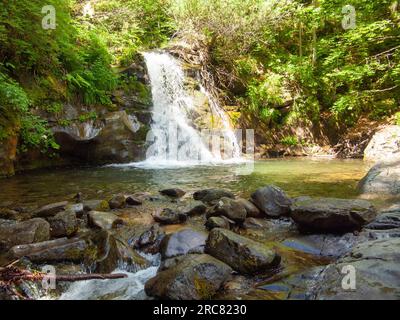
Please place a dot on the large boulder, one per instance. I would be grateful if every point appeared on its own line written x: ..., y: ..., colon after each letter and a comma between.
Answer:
x: 377, y: 273
x: 212, y: 195
x: 181, y: 242
x: 384, y: 145
x: 30, y: 231
x: 382, y: 179
x: 195, y: 277
x: 63, y: 224
x: 329, y: 215
x: 272, y: 201
x: 242, y: 254
x: 229, y: 208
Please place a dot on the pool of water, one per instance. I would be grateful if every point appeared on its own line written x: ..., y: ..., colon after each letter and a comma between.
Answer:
x: 314, y: 177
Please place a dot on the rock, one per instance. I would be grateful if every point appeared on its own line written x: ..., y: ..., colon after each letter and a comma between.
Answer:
x: 384, y: 145
x: 104, y: 220
x: 382, y: 179
x: 26, y: 232
x: 95, y: 205
x: 150, y: 240
x: 117, y: 202
x: 77, y: 208
x: 211, y: 195
x: 272, y: 201
x: 229, y: 208
x: 63, y: 224
x: 377, y: 267
x: 6, y: 214
x: 181, y: 242
x: 173, y: 193
x: 133, y: 201
x: 50, y: 209
x: 196, y: 210
x: 168, y: 216
x: 195, y: 277
x: 217, y: 222
x: 329, y: 215
x: 242, y: 254
x: 387, y: 220
x: 253, y: 223
x: 251, y: 209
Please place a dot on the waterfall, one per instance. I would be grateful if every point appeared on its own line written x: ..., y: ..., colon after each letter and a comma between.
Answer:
x: 174, y: 140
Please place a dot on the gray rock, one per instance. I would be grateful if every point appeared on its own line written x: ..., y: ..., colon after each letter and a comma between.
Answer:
x: 50, y: 209
x: 63, y: 224
x: 104, y: 220
x: 329, y: 215
x: 195, y: 277
x: 229, y: 208
x: 251, y: 209
x: 217, y: 222
x: 26, y: 232
x: 242, y: 254
x: 272, y: 201
x: 211, y: 195
x: 150, y: 240
x: 168, y: 216
x: 384, y: 145
x: 181, y: 242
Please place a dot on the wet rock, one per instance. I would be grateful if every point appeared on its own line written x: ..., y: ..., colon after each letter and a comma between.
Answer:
x: 272, y: 201
x: 63, y: 224
x: 384, y: 145
x: 117, y: 202
x: 173, y: 193
x: 211, y: 195
x: 196, y: 210
x: 242, y: 254
x: 387, y: 220
x: 253, y: 223
x: 251, y: 209
x: 77, y: 208
x: 6, y: 214
x: 95, y: 205
x: 181, y: 242
x: 377, y: 266
x: 195, y: 277
x: 217, y: 222
x: 133, y: 201
x: 150, y: 240
x: 104, y: 220
x: 329, y: 215
x: 50, y: 209
x: 30, y: 231
x: 229, y: 208
x: 169, y: 216
x: 382, y: 179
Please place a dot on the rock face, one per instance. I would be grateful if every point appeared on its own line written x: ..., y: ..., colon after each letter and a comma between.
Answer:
x: 242, y: 254
x: 168, y: 216
x: 181, y: 242
x: 382, y: 179
x: 384, y: 146
x: 272, y: 201
x: 30, y: 231
x: 63, y: 224
x: 229, y: 208
x: 211, y: 195
x: 104, y: 220
x: 329, y: 215
x: 377, y: 266
x: 195, y: 277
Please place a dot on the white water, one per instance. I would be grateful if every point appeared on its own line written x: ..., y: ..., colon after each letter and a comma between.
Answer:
x: 174, y: 141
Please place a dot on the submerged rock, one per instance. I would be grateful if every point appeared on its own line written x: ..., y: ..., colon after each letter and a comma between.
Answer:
x: 229, y: 208
x: 272, y: 201
x: 181, y: 242
x: 50, y: 209
x: 211, y: 195
x: 26, y: 232
x: 242, y: 254
x: 169, y: 216
x: 173, y: 193
x: 329, y: 215
x: 195, y: 277
x: 63, y: 224
x: 96, y: 205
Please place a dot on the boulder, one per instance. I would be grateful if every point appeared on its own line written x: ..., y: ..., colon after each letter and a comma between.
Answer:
x: 242, y: 254
x: 63, y: 224
x: 197, y: 210
x: 26, y: 232
x: 117, y: 202
x: 77, y: 208
x: 181, y: 242
x: 251, y: 209
x: 229, y: 208
x: 50, y: 209
x: 211, y: 195
x: 95, y: 205
x: 329, y: 215
x: 386, y: 225
x: 272, y: 201
x: 377, y: 273
x: 149, y: 241
x: 133, y: 201
x: 382, y: 179
x: 168, y: 216
x: 195, y: 277
x: 173, y: 193
x: 384, y: 145
x: 217, y: 222
x: 104, y: 220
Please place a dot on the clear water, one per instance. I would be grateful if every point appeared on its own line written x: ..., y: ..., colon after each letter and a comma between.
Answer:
x: 314, y: 177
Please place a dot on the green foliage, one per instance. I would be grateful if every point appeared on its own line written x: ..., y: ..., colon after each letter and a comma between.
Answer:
x: 290, y: 141
x: 397, y: 118
x: 88, y: 116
